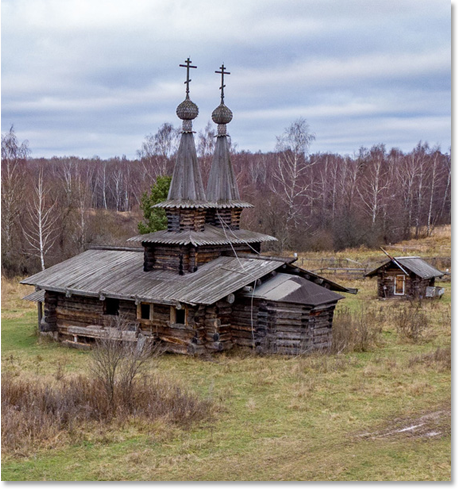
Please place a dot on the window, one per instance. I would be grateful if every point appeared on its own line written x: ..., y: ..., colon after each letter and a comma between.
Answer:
x: 177, y: 316
x: 144, y: 311
x: 180, y: 316
x: 111, y: 307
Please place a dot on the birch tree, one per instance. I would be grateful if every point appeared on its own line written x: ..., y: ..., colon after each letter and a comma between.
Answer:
x: 289, y: 182
x: 41, y: 232
x: 373, y: 184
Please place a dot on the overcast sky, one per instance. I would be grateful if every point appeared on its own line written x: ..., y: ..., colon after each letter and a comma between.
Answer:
x: 94, y: 77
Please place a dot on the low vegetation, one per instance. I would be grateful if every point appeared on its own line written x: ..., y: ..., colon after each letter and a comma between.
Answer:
x: 375, y: 408
x: 38, y: 414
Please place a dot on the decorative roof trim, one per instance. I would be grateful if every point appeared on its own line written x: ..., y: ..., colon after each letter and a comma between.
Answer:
x: 211, y: 236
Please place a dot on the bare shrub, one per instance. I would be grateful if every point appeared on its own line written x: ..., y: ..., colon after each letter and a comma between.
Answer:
x: 358, y: 330
x: 411, y: 322
x: 118, y: 359
x: 35, y: 413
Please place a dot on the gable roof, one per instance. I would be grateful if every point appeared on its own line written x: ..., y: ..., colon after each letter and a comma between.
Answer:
x: 119, y: 274
x: 414, y: 264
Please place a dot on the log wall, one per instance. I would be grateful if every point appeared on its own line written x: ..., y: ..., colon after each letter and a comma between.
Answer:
x: 268, y: 327
x: 224, y: 217
x: 415, y: 286
x: 186, y: 258
x: 281, y: 327
x: 49, y: 321
x: 185, y: 219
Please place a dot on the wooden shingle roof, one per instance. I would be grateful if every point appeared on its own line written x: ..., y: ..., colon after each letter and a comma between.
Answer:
x: 119, y: 274
x: 212, y: 235
x: 186, y: 182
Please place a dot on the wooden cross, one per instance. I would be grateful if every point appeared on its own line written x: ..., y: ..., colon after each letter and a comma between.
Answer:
x: 187, y: 66
x: 222, y: 72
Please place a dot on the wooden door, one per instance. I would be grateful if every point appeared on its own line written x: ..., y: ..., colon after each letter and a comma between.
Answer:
x: 399, y: 285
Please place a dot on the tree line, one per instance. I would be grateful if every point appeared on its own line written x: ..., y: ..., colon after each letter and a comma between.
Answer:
x: 54, y: 208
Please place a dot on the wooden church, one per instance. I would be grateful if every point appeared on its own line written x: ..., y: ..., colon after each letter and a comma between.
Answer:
x: 199, y: 286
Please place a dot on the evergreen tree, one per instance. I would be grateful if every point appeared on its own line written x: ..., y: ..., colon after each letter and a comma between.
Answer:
x: 154, y: 219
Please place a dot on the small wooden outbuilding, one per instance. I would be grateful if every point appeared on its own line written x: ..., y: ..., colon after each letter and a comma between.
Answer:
x: 406, y: 277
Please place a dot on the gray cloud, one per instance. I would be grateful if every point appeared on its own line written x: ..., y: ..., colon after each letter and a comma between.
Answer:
x: 92, y: 77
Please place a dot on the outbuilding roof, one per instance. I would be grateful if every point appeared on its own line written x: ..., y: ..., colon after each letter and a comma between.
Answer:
x: 413, y: 264
x: 289, y: 288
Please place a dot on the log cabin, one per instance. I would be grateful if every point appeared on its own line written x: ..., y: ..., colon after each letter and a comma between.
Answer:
x: 406, y: 277
x: 201, y: 285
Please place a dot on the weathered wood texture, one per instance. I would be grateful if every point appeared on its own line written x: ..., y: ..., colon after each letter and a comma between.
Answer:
x: 49, y: 321
x: 276, y: 327
x: 414, y: 286
x: 228, y: 218
x: 81, y: 320
x: 186, y: 258
x: 269, y: 327
x: 185, y: 219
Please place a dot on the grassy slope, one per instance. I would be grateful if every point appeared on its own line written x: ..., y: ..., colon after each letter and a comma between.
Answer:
x: 313, y: 418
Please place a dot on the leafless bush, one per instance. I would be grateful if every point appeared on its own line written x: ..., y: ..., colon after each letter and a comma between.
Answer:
x: 411, y: 322
x: 358, y: 330
x: 35, y: 413
x: 118, y: 359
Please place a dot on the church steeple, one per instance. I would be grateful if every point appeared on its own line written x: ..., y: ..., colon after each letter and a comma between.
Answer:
x: 186, y: 200
x: 200, y: 227
x: 222, y: 189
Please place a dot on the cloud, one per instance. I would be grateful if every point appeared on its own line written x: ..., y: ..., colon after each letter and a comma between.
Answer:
x: 106, y: 73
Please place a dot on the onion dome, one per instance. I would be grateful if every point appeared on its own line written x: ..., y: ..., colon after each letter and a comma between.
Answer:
x: 187, y: 110
x: 222, y: 115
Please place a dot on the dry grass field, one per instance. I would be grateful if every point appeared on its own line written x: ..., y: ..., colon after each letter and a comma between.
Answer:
x: 378, y: 409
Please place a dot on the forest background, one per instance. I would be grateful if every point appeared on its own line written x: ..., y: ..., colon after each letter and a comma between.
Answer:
x: 54, y: 208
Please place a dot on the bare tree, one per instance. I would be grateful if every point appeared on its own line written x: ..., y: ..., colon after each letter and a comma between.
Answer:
x: 291, y: 167
x: 41, y: 232
x: 421, y: 159
x: 257, y: 168
x: 157, y: 150
x: 116, y: 187
x: 14, y: 156
x: 83, y: 199
x: 102, y: 181
x: 374, y: 184
x: 432, y: 191
x: 448, y: 171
